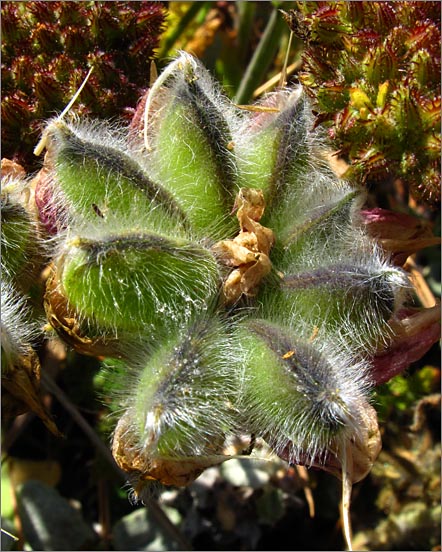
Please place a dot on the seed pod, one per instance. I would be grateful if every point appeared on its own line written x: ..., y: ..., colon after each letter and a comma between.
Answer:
x: 350, y: 297
x: 273, y: 144
x: 118, y: 282
x: 319, y: 224
x: 188, y: 128
x: 331, y: 275
x: 90, y: 173
x: 283, y: 155
x: 22, y: 250
x: 300, y: 396
x: 180, y: 404
x: 19, y: 331
x: 19, y: 361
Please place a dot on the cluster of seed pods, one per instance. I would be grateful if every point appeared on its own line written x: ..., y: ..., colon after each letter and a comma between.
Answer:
x: 212, y: 255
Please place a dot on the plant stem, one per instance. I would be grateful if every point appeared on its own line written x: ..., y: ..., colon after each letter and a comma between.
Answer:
x: 261, y: 59
x: 191, y: 14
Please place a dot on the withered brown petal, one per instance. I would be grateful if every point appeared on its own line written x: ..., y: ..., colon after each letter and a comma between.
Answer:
x: 249, y: 250
x: 363, y: 448
x: 141, y: 467
x: 21, y: 390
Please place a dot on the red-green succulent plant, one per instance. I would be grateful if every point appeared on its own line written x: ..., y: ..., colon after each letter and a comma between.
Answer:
x: 373, y: 71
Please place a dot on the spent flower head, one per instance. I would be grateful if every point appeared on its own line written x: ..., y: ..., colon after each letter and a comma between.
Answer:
x: 373, y: 71
x: 47, y: 49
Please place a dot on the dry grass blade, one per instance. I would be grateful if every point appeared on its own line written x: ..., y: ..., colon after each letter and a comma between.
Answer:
x: 421, y: 287
x: 347, y: 476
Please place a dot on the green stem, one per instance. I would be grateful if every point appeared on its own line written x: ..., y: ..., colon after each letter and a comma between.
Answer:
x: 246, y: 13
x: 191, y: 14
x: 233, y: 60
x: 262, y: 58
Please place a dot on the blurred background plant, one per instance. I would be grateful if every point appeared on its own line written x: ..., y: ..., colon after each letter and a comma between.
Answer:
x: 47, y: 49
x: 373, y: 70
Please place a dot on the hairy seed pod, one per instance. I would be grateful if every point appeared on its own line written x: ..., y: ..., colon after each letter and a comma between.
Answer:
x: 320, y: 223
x: 285, y: 157
x: 180, y: 403
x: 300, y: 394
x: 352, y: 297
x: 22, y: 249
x: 120, y: 281
x: 19, y: 330
x: 330, y: 274
x: 274, y: 142
x: 90, y: 173
x: 188, y: 128
x: 277, y: 328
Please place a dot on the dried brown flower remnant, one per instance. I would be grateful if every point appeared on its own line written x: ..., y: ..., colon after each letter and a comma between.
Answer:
x: 143, y: 467
x: 249, y: 251
x: 363, y: 451
x: 415, y: 333
x: 400, y: 234
x: 21, y: 390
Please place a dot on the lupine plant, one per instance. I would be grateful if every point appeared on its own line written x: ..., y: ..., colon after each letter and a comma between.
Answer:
x: 227, y: 274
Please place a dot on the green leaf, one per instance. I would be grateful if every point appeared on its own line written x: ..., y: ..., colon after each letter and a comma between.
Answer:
x: 262, y: 57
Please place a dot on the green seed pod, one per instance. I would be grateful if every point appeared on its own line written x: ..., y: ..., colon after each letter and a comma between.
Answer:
x: 351, y: 294
x: 319, y: 222
x: 180, y: 404
x: 188, y: 130
x: 301, y: 396
x: 94, y: 175
x: 282, y: 155
x: 118, y: 281
x: 331, y: 275
x: 274, y: 148
x: 22, y: 251
x: 350, y: 299
x: 18, y: 329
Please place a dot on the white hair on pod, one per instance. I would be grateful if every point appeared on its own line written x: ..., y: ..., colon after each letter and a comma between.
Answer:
x: 19, y: 330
